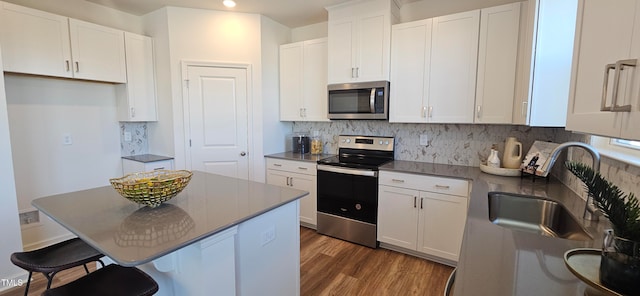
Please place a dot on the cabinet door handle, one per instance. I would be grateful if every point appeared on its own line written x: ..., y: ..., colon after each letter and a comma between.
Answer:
x: 133, y: 112
x: 430, y: 111
x: 291, y: 181
x: 77, y: 67
x: 288, y: 181
x: 303, y: 168
x: 424, y: 112
x: 67, y: 63
x: 353, y: 71
x: 443, y: 187
x: 616, y: 84
x: 160, y: 168
x: 605, y: 85
x: 415, y: 201
x: 523, y: 110
x: 421, y: 202
x: 357, y: 72
x: 277, y: 165
x: 478, y: 110
x: 397, y: 180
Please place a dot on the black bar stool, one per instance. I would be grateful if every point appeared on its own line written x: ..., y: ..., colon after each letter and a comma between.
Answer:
x: 54, y: 258
x: 112, y: 280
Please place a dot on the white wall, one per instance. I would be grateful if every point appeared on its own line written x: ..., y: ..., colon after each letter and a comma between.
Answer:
x: 87, y: 11
x: 215, y: 36
x: 11, y: 238
x: 274, y: 131
x: 313, y: 31
x: 41, y: 111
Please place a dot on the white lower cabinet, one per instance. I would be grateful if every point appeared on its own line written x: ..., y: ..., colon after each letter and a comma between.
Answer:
x: 422, y: 213
x: 299, y: 175
x: 131, y: 166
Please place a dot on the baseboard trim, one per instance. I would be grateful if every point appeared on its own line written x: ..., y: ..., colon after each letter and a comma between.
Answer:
x: 418, y: 254
x: 47, y: 242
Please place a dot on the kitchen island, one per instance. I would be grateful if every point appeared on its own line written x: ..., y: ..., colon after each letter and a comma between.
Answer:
x: 219, y: 236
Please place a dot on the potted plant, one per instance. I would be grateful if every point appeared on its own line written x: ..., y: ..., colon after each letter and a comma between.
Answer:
x: 620, y: 263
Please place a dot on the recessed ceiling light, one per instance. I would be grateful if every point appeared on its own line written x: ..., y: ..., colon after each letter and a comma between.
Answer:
x: 229, y: 3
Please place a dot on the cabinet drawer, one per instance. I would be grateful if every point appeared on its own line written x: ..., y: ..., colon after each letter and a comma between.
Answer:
x: 425, y: 183
x: 302, y: 167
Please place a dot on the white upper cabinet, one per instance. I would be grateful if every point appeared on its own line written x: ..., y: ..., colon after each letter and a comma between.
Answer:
x: 433, y: 69
x: 359, y: 41
x: 98, y: 52
x: 544, y: 65
x: 34, y: 42
x: 410, y: 59
x: 604, y: 86
x: 303, y: 81
x: 454, y: 58
x: 41, y: 43
x: 137, y: 98
x: 497, y: 56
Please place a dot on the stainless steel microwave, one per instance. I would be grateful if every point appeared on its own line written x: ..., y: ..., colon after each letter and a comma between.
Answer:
x: 365, y: 100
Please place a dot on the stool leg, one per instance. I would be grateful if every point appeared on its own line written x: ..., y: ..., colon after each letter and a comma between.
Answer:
x: 85, y: 268
x: 101, y: 263
x: 26, y: 290
x: 49, y: 277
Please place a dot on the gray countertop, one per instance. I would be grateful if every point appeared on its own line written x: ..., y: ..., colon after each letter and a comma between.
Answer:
x: 132, y: 235
x: 307, y: 157
x: 147, y: 158
x: 499, y: 261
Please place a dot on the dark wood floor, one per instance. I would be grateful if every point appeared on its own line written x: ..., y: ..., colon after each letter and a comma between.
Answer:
x: 330, y: 266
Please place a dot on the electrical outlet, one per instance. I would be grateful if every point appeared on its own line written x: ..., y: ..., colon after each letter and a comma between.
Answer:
x: 127, y: 136
x: 29, y: 217
x: 424, y: 140
x: 268, y: 235
x: 67, y: 139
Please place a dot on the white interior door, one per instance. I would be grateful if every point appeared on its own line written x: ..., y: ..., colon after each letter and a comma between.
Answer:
x: 218, y: 120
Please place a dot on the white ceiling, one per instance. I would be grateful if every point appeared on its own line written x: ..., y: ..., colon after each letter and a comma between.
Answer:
x: 291, y: 13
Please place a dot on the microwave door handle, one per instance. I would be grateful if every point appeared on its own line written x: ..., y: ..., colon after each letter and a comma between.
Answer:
x: 372, y: 100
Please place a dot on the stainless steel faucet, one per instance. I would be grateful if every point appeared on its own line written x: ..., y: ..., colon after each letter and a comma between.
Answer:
x: 590, y: 210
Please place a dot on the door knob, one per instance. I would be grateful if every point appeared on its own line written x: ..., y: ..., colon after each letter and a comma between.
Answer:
x: 243, y: 153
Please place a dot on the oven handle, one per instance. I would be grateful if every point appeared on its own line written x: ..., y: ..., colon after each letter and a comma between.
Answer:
x: 372, y: 100
x: 348, y: 171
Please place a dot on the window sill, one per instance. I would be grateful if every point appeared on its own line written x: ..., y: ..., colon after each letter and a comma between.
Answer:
x: 613, y: 152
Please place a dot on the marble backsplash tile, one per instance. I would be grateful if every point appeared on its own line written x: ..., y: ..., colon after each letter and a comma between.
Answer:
x: 139, y: 141
x: 458, y: 144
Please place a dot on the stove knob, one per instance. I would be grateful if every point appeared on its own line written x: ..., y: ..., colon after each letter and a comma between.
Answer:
x: 348, y: 140
x: 386, y: 142
x: 380, y: 142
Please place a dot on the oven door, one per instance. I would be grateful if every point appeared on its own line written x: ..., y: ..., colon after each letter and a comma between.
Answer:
x: 349, y: 193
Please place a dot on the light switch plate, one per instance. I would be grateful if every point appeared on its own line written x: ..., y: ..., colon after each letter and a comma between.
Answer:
x: 424, y: 140
x: 127, y: 136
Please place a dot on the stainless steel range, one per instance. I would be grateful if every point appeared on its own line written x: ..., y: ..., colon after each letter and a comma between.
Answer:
x: 348, y: 188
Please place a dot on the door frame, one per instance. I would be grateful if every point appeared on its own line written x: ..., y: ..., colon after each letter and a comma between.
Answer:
x: 185, y: 64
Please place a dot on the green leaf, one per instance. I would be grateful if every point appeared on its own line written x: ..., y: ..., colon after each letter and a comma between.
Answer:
x: 623, y: 211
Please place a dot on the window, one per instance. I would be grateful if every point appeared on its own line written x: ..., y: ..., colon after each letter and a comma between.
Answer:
x: 622, y: 150
x: 626, y: 143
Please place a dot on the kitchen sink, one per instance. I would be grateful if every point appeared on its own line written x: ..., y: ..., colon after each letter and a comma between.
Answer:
x: 536, y: 215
